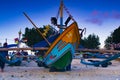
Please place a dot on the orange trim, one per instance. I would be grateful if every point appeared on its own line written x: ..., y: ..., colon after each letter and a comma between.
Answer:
x: 70, y: 35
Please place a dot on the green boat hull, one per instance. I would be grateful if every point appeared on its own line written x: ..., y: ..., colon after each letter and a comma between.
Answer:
x: 63, y: 61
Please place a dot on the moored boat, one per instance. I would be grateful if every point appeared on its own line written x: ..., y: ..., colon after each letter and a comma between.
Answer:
x: 60, y: 53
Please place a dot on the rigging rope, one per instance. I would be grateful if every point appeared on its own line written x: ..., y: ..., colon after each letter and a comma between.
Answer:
x: 68, y: 13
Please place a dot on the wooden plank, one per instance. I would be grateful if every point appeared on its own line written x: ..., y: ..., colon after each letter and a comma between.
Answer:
x: 11, y: 49
x: 46, y: 48
x: 98, y: 50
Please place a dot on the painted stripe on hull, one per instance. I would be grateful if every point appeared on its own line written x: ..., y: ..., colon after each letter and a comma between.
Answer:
x: 70, y: 35
x: 57, y: 56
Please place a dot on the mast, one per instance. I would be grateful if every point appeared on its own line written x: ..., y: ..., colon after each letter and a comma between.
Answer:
x: 61, y: 16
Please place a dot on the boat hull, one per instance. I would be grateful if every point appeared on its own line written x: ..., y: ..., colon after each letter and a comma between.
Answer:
x: 61, y: 52
x: 63, y: 61
x: 60, y: 58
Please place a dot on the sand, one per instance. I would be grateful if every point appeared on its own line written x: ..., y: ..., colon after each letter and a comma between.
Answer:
x: 30, y: 71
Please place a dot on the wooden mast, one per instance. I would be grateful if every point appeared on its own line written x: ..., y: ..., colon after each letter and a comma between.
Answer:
x: 61, y: 16
x: 36, y: 28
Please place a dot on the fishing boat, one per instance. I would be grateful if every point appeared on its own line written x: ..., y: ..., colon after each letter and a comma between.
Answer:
x: 61, y: 52
x: 59, y: 55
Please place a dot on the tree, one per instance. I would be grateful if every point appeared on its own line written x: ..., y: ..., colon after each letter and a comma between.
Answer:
x: 108, y: 41
x: 116, y: 35
x: 113, y: 38
x: 34, y: 37
x: 91, y: 42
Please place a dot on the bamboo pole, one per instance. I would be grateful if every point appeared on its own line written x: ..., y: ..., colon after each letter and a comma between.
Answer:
x: 46, y: 48
x: 98, y: 50
x: 36, y: 28
x: 11, y: 49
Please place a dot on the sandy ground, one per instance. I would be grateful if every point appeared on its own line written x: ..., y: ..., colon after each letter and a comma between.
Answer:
x: 30, y: 71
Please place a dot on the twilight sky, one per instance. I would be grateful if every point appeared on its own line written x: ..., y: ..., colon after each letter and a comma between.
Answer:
x: 100, y: 17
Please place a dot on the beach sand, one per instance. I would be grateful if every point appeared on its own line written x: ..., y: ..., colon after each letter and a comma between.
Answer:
x: 30, y: 71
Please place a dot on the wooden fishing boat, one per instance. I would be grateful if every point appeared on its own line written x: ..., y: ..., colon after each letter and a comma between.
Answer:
x: 60, y: 53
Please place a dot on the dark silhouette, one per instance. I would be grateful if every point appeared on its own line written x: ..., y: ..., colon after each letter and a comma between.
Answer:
x: 5, y: 55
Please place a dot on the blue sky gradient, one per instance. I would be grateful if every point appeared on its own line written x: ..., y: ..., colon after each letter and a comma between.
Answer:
x: 98, y: 16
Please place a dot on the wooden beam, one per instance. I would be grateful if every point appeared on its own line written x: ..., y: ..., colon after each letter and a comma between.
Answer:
x: 98, y: 50
x: 36, y: 28
x: 11, y: 49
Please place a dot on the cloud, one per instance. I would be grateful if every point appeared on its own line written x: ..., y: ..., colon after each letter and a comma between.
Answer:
x: 106, y: 14
x: 95, y: 21
x: 94, y: 13
x: 100, y: 14
x: 116, y: 15
x: 98, y: 17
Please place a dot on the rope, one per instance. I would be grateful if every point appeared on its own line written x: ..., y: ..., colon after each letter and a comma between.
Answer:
x: 68, y: 13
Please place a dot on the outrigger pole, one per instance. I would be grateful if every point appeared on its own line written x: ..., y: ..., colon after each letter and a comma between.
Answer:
x: 36, y: 28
